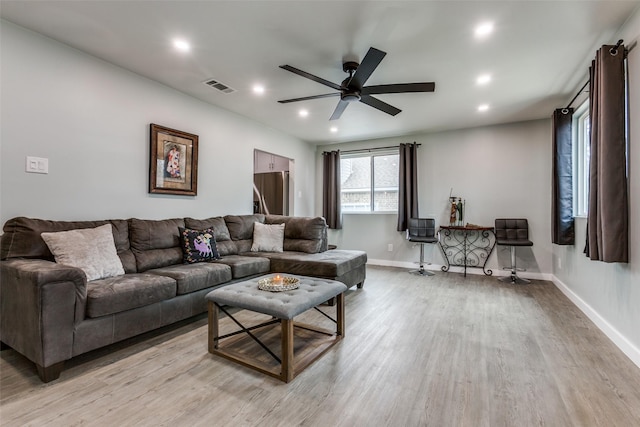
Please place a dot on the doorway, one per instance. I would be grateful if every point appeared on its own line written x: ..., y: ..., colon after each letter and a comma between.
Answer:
x: 271, y: 183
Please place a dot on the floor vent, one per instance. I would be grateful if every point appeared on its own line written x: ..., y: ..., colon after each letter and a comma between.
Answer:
x: 219, y: 86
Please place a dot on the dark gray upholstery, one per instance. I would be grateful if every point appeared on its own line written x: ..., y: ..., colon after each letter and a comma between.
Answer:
x: 512, y: 232
x: 121, y: 293
x: 193, y: 277
x: 422, y: 231
x: 50, y: 313
x: 244, y: 266
x: 156, y: 244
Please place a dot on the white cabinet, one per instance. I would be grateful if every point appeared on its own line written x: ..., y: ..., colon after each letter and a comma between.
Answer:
x: 266, y: 162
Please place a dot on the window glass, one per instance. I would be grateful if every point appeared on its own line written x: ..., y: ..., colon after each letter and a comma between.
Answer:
x: 369, y: 182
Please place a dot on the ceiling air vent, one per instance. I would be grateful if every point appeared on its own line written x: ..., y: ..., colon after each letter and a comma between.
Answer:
x: 219, y: 86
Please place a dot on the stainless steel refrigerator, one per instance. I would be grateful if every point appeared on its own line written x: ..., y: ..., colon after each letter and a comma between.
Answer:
x: 271, y: 193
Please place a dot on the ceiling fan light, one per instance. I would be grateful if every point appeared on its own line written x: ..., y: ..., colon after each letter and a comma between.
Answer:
x: 483, y: 107
x: 303, y: 113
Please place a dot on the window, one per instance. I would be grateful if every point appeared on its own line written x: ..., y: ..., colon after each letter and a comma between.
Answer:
x: 369, y: 182
x: 581, y: 152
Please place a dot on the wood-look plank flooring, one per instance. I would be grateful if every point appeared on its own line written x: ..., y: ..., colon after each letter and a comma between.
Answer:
x: 437, y: 351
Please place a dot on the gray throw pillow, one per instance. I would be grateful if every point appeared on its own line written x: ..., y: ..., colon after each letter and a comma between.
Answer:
x: 267, y: 237
x: 91, y: 249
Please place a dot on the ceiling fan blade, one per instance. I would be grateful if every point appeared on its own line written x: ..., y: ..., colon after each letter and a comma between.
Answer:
x: 339, y: 110
x: 399, y: 88
x: 310, y: 76
x: 382, y: 106
x: 306, y: 98
x: 367, y: 66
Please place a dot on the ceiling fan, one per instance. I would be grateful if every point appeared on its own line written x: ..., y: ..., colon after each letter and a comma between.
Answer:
x: 352, y: 88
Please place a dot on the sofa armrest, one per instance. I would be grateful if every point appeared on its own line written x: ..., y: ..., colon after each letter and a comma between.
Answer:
x: 40, y: 302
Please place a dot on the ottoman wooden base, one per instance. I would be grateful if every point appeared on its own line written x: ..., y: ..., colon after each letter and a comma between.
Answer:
x: 298, y: 344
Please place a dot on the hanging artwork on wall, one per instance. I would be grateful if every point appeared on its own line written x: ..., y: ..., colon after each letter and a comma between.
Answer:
x: 173, y: 166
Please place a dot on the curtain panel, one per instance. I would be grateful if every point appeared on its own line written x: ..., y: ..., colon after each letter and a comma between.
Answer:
x: 407, y: 185
x: 608, y: 216
x: 563, y: 232
x: 331, y: 209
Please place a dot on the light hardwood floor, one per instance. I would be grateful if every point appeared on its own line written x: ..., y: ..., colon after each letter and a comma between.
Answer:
x: 436, y: 351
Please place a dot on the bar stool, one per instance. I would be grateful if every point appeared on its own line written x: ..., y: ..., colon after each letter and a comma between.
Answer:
x: 421, y: 231
x: 513, y: 232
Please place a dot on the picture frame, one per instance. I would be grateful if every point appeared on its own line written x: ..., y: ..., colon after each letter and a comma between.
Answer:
x: 173, y: 163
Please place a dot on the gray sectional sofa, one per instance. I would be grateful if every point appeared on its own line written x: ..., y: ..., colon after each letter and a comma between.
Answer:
x: 50, y: 313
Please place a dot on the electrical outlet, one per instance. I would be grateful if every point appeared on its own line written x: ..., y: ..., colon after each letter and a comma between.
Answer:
x: 390, y: 247
x: 559, y: 263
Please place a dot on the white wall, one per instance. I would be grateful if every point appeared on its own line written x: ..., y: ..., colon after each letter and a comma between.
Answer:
x: 501, y: 171
x: 91, y: 120
x: 610, y: 293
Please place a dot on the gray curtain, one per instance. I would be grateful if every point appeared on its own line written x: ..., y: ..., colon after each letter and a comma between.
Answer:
x: 608, y: 217
x: 407, y: 185
x: 562, y: 202
x: 331, y: 189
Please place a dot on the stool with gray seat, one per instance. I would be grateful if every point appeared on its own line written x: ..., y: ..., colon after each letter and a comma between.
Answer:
x: 421, y: 231
x: 512, y: 232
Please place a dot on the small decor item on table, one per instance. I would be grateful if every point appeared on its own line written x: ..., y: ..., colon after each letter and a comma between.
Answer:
x: 278, y: 283
x: 456, y: 217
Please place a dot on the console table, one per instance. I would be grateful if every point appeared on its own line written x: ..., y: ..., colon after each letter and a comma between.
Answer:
x: 466, y: 246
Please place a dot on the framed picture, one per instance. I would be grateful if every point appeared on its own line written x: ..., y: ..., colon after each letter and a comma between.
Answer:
x: 173, y: 167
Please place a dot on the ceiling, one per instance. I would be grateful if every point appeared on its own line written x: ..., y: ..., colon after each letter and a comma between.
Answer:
x: 537, y: 55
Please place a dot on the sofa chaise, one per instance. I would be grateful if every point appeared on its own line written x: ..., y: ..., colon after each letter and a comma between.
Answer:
x: 50, y: 312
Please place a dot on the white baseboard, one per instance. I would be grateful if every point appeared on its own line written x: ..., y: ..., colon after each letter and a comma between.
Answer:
x: 630, y: 350
x: 453, y: 269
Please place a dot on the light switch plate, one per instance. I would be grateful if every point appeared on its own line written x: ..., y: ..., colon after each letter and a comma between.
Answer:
x: 37, y: 165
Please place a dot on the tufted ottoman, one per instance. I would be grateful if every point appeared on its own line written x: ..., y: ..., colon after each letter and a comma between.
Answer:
x: 283, y: 307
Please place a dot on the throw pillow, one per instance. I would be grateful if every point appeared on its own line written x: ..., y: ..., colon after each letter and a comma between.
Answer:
x: 93, y: 250
x: 267, y: 237
x: 198, y: 245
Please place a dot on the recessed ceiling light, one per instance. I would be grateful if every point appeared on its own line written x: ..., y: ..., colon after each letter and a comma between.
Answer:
x: 333, y: 129
x: 483, y: 107
x: 484, y: 29
x: 483, y: 79
x: 303, y: 113
x: 258, y: 89
x: 181, y: 45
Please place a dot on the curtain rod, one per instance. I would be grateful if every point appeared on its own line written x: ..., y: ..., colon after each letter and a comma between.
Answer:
x: 613, y: 51
x: 368, y: 150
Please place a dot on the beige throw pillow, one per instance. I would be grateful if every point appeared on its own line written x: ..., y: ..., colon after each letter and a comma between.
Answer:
x: 267, y: 237
x: 90, y: 249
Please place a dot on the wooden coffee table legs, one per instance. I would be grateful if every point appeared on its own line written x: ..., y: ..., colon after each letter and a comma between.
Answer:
x: 318, y: 341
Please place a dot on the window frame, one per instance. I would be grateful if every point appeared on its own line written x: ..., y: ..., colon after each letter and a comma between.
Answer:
x: 371, y: 155
x: 581, y: 156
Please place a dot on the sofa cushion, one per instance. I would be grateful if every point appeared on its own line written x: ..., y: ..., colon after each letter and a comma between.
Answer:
x: 198, y: 245
x: 90, y: 249
x: 193, y: 277
x: 154, y: 243
x: 121, y: 293
x: 302, y: 234
x: 225, y: 245
x: 267, y: 237
x: 243, y: 266
x: 21, y: 238
x: 328, y: 264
